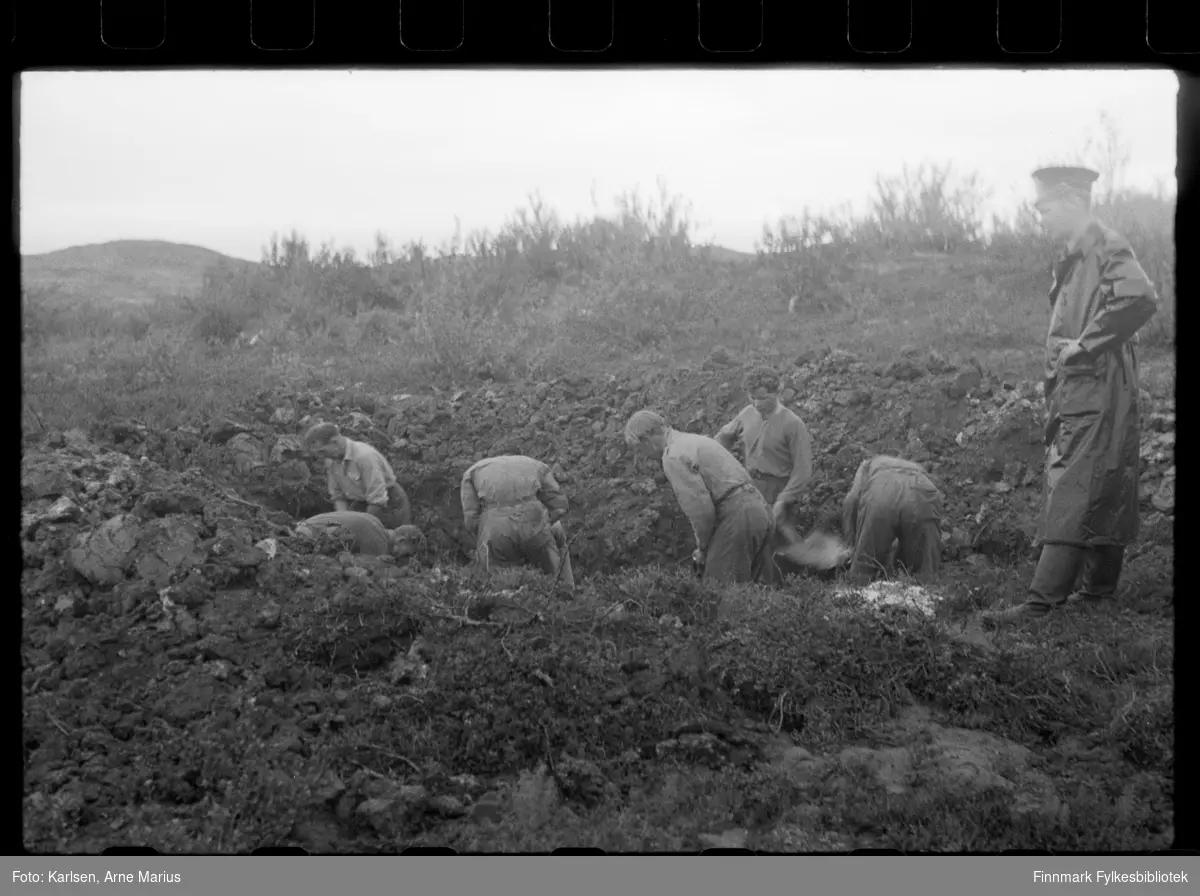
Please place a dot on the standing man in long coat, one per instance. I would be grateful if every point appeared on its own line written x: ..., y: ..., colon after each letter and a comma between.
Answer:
x: 1099, y: 299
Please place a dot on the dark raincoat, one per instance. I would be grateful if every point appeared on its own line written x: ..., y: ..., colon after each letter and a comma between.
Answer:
x: 1101, y: 297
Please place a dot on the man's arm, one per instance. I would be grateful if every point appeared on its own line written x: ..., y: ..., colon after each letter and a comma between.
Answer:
x: 470, y: 501
x: 693, y: 497
x: 551, y: 494
x: 850, y: 505
x: 802, y: 464
x: 405, y: 507
x: 336, y: 495
x: 374, y: 484
x: 1127, y: 302
x: 728, y: 435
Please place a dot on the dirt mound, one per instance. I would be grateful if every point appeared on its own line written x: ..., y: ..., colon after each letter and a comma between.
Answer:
x: 197, y: 677
x: 181, y: 648
x: 979, y: 434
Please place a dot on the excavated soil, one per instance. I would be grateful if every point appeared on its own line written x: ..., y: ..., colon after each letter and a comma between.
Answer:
x: 197, y: 678
x: 979, y: 435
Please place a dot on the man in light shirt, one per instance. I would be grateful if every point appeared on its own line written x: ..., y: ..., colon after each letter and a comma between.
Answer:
x: 513, y: 505
x: 359, y: 478
x: 777, y: 447
x: 730, y: 519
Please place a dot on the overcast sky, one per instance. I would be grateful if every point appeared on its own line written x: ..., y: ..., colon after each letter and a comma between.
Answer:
x: 223, y: 159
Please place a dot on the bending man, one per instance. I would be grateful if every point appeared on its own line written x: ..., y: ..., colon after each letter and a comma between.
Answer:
x: 778, y: 450
x: 359, y: 477
x: 368, y: 535
x: 513, y: 505
x: 731, y: 521
x: 893, y: 499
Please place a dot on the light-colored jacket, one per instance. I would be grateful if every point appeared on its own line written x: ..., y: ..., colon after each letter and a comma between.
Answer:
x: 509, y: 481
x: 362, y: 474
x: 883, y: 466
x: 702, y: 473
x: 370, y: 535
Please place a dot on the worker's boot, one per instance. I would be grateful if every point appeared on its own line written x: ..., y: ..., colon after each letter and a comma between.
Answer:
x: 1101, y: 573
x: 1014, y: 614
x: 1052, y: 581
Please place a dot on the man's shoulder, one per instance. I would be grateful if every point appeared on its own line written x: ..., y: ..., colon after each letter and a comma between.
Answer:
x: 471, y: 470
x: 320, y: 518
x: 341, y: 518
x: 363, y: 449
x: 686, y: 444
x: 1107, y: 241
x: 792, y: 417
x: 692, y: 439
x: 741, y: 417
x: 520, y: 462
x: 888, y: 462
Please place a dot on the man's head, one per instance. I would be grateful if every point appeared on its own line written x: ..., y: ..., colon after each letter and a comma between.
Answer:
x: 763, y: 387
x: 325, y: 440
x: 405, y: 541
x: 1064, y: 200
x: 646, y: 433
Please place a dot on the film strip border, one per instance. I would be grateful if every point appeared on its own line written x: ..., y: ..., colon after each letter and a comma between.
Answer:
x: 386, y: 32
x: 591, y: 851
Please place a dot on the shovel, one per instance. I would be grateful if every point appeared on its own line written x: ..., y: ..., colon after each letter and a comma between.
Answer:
x: 819, y: 550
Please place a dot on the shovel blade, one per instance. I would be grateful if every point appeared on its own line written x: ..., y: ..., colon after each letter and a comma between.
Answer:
x: 820, y: 550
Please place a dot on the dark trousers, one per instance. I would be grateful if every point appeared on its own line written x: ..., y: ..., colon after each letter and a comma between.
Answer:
x: 1061, y: 565
x: 770, y: 487
x: 396, y: 513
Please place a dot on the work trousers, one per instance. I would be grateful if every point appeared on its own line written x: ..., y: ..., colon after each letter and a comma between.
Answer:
x: 901, y: 509
x: 393, y: 514
x: 740, y: 547
x: 1060, y: 566
x: 770, y: 487
x: 512, y: 537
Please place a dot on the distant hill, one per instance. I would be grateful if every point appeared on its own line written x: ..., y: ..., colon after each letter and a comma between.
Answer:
x: 124, y: 271
x: 720, y: 253
x: 141, y: 271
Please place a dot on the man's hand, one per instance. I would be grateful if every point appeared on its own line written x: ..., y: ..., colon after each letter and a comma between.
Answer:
x: 1072, y: 353
x: 698, y: 556
x: 779, y: 511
